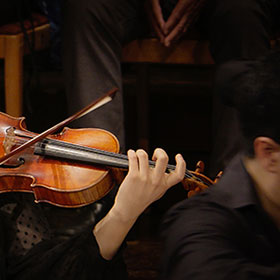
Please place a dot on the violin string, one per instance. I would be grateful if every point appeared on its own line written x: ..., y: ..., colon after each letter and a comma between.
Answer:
x: 170, y: 167
x: 110, y: 154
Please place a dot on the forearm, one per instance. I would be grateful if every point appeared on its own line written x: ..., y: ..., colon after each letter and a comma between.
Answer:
x: 141, y: 187
x: 111, y: 231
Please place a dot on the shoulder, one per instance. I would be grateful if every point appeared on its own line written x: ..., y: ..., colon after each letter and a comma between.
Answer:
x: 215, y: 210
x: 210, y: 202
x: 204, y: 214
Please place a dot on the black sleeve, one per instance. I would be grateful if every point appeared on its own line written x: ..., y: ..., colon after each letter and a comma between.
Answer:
x: 77, y: 258
x: 70, y: 252
x: 203, y: 242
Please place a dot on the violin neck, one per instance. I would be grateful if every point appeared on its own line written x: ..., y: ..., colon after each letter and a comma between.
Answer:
x: 73, y: 152
x: 82, y: 154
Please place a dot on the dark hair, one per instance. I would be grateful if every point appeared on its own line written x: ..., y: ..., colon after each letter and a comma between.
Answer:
x: 258, y: 101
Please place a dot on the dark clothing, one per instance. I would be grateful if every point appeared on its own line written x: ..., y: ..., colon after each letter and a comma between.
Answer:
x: 239, y: 32
x: 16, y: 10
x: 40, y: 241
x: 223, y: 233
x: 94, y: 34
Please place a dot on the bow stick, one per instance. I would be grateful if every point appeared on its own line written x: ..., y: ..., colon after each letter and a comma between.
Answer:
x: 107, y: 97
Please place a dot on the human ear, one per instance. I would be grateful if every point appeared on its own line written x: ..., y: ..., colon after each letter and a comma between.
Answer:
x: 267, y: 153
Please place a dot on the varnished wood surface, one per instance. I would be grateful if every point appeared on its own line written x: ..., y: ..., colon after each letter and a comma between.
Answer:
x: 59, y: 182
x: 12, y: 49
x: 152, y: 51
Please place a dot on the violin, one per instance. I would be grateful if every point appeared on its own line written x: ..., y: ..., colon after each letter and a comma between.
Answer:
x: 73, y: 168
x: 193, y: 187
x: 67, y: 169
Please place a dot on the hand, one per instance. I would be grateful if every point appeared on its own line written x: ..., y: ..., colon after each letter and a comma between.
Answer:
x: 183, y: 15
x: 155, y: 17
x: 143, y: 184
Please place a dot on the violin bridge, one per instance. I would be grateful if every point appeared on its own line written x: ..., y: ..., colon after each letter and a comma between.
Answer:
x: 9, y: 140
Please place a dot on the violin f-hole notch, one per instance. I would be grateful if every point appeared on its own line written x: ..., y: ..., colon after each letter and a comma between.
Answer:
x: 13, y: 162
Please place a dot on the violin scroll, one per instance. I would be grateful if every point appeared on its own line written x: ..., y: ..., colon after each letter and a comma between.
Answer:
x: 194, y: 186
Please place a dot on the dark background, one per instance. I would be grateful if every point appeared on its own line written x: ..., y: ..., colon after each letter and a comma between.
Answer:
x: 180, y: 117
x: 180, y: 103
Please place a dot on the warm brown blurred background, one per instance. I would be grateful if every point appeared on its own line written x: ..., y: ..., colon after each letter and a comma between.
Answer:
x: 179, y: 121
x: 177, y: 118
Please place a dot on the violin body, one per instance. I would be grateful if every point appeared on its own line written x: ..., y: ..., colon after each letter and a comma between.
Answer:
x: 62, y: 183
x: 73, y: 168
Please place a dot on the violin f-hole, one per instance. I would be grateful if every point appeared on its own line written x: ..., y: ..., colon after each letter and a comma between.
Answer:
x: 13, y: 163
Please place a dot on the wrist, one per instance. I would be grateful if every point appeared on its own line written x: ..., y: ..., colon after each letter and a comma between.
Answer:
x: 123, y: 216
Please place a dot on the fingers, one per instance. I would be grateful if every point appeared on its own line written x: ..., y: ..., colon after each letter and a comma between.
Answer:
x: 132, y: 161
x: 156, y: 8
x: 178, y: 12
x: 161, y: 159
x: 175, y: 176
x: 155, y: 16
x: 138, y: 162
x: 157, y: 176
x: 183, y: 15
x: 179, y: 30
x: 156, y: 28
x: 143, y: 163
x: 180, y: 166
x: 178, y: 175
